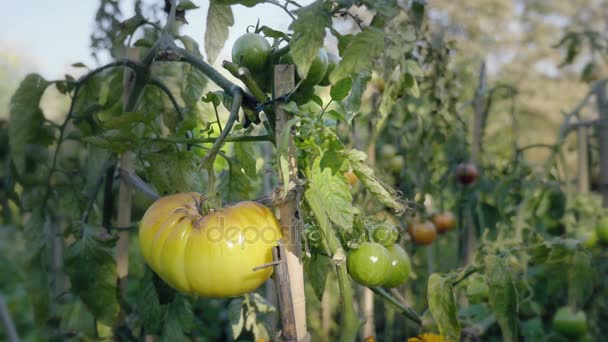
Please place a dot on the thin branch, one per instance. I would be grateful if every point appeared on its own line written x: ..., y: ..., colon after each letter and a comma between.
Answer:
x: 134, y: 181
x: 158, y: 83
x: 7, y: 321
x: 406, y: 311
x: 244, y: 138
x: 237, y: 98
x: 284, y: 7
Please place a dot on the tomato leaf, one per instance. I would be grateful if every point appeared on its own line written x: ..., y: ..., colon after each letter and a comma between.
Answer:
x: 381, y: 191
x: 317, y: 268
x: 308, y: 34
x: 219, y: 20
x: 330, y: 192
x: 91, y: 267
x: 174, y: 172
x: 580, y: 278
x: 185, y: 5
x: 148, y: 305
x: 353, y: 102
x: 359, y: 54
x: 503, y: 296
x: 411, y: 67
x: 26, y: 117
x: 37, y: 282
x: 442, y: 305
x: 341, y: 89
x: 236, y: 317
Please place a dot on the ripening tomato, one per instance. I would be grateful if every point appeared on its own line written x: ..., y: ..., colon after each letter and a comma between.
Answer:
x: 332, y: 62
x: 466, y: 173
x: 422, y: 233
x: 211, y: 255
x: 443, y: 221
x: 368, y: 264
x: 251, y: 51
x: 400, y: 267
x: 570, y: 322
x: 351, y: 177
x: 388, y: 151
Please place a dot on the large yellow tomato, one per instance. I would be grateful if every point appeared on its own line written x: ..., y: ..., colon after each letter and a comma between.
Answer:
x: 210, y: 255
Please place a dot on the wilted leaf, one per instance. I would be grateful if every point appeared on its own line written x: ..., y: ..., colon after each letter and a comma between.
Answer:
x: 236, y: 317
x: 381, y: 192
x: 442, y: 305
x: 26, y: 118
x: 503, y: 296
x: 219, y: 20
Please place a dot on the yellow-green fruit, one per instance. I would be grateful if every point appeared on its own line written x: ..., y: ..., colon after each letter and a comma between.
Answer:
x: 211, y: 255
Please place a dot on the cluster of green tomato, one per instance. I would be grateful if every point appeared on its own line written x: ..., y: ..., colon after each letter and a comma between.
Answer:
x: 253, y: 52
x: 381, y: 262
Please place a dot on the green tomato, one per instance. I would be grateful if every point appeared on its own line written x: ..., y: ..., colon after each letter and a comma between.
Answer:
x: 251, y: 51
x: 397, y: 163
x: 477, y: 289
x: 589, y: 238
x: 602, y: 230
x: 385, y: 234
x: 388, y: 151
x: 400, y: 267
x: 570, y: 322
x: 332, y: 62
x: 369, y: 264
x: 317, y: 70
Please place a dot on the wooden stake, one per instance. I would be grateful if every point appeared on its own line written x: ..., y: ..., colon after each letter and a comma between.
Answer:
x: 602, y: 107
x: 290, y: 217
x: 583, y: 159
x: 124, y: 192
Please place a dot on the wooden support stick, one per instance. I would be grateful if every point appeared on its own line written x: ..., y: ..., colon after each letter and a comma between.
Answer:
x: 290, y: 216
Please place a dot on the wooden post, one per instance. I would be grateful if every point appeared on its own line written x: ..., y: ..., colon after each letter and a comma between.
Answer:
x: 125, y: 191
x: 583, y: 159
x: 290, y: 216
x: 602, y: 107
x: 476, y: 148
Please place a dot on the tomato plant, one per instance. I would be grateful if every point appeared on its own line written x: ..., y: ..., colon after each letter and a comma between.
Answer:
x: 385, y: 234
x: 400, y: 267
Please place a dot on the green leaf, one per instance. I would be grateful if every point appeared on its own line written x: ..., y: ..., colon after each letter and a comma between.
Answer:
x: 125, y: 120
x: 580, y: 278
x: 26, y: 118
x: 337, y: 115
x: 35, y: 264
x: 194, y: 85
x: 148, y: 305
x: 330, y: 192
x: 308, y: 34
x: 316, y: 269
x: 353, y: 102
x: 245, y: 153
x: 91, y: 267
x: 291, y: 107
x: 442, y: 305
x: 185, y: 5
x: 219, y: 21
x: 503, y: 296
x: 341, y: 89
x: 382, y: 192
x: 359, y: 54
x: 76, y: 317
x: 236, y: 317
x: 174, y: 172
x: 412, y: 68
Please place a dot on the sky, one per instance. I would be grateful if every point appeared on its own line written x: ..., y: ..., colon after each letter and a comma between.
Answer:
x: 51, y: 35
